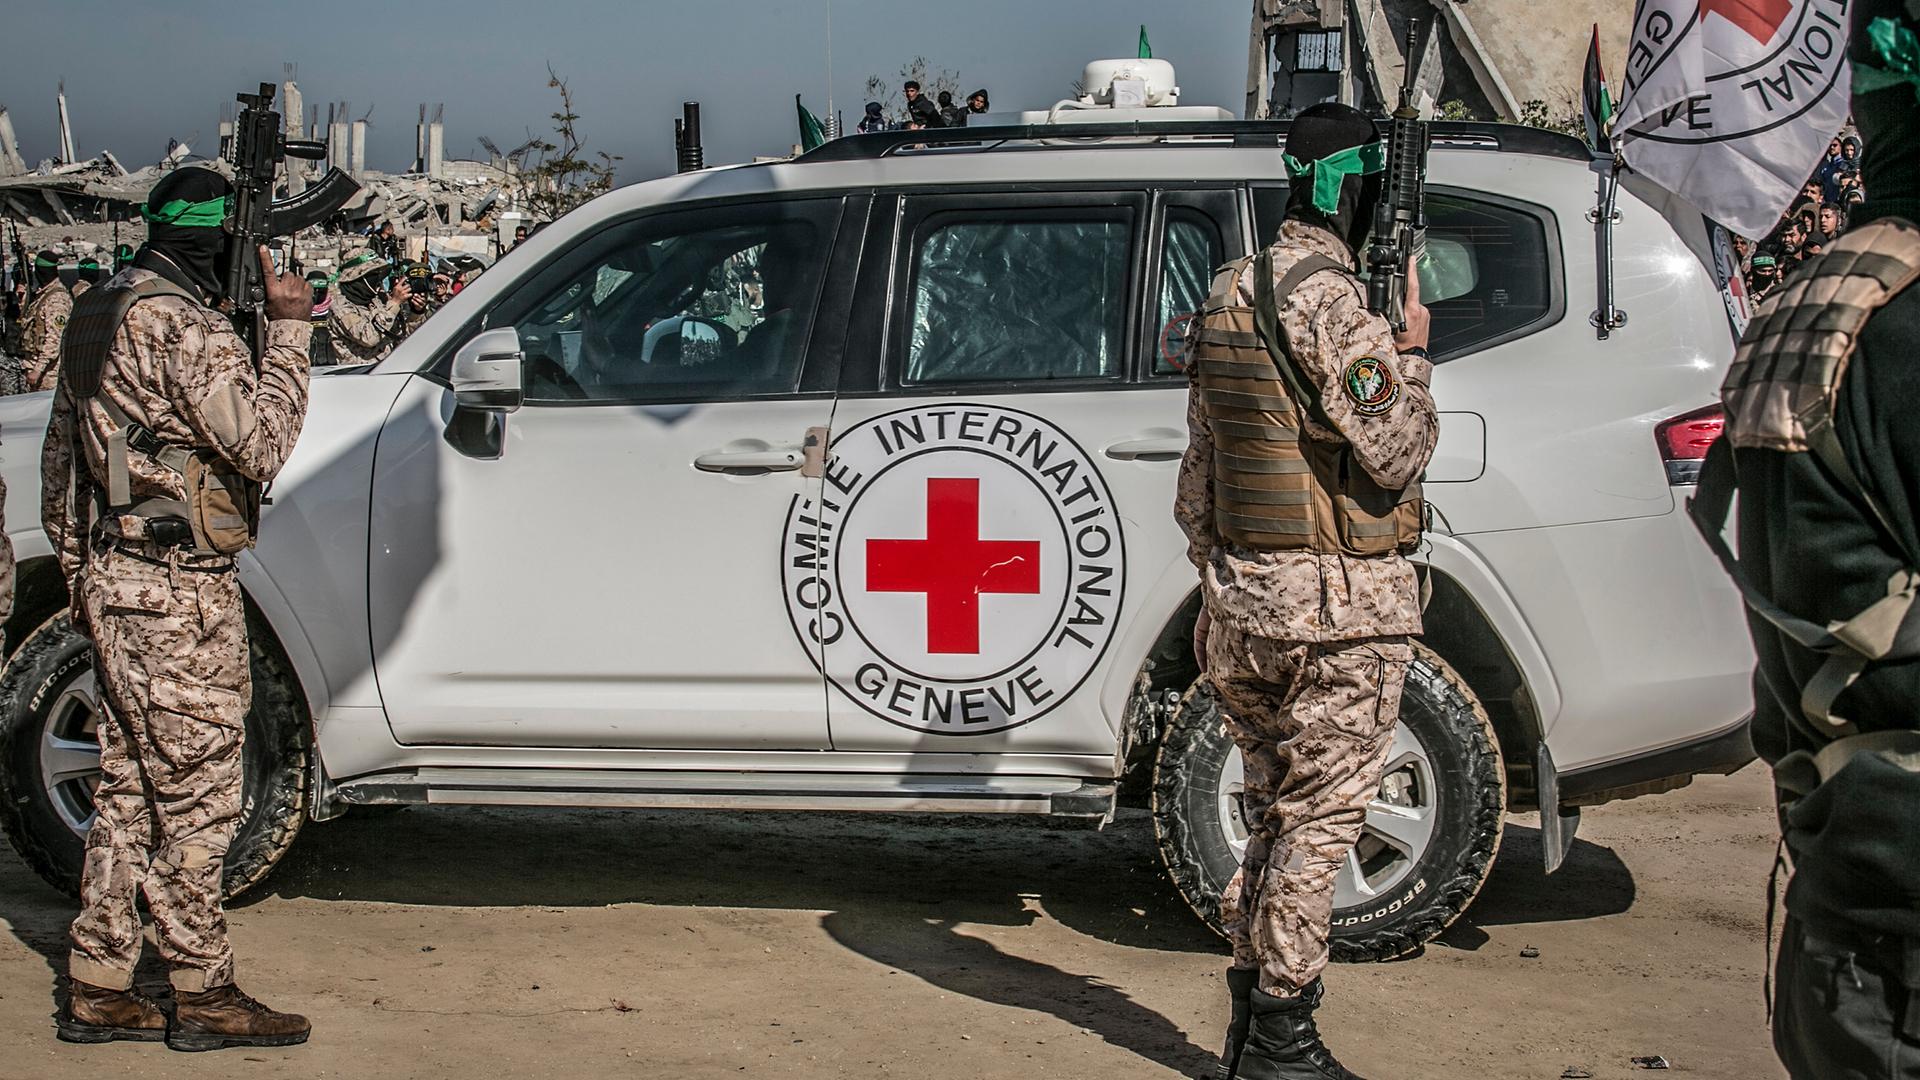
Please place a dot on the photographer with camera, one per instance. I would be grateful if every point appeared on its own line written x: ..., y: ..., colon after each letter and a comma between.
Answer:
x: 364, y: 326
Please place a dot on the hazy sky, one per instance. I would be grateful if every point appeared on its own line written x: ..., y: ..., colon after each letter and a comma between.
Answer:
x: 139, y: 73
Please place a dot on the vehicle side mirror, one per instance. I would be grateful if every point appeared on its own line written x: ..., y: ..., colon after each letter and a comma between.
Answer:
x: 487, y: 372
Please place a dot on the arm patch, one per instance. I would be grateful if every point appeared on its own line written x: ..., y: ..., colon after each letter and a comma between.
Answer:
x: 1371, y: 385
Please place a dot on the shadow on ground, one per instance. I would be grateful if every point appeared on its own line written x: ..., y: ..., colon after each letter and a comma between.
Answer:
x: 906, y: 892
x: 1103, y: 883
x: 1590, y: 884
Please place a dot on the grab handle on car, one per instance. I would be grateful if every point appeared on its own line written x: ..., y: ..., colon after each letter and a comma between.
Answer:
x: 1163, y: 449
x: 753, y: 462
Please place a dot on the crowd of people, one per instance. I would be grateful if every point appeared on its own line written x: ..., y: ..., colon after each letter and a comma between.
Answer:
x: 377, y: 299
x: 1817, y: 217
x: 923, y: 113
x: 374, y: 300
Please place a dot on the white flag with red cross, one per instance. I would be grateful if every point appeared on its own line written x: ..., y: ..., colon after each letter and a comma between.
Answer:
x: 1729, y: 103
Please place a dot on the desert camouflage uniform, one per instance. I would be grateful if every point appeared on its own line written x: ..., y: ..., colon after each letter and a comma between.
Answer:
x: 6, y: 562
x: 1308, y: 651
x: 411, y: 319
x: 168, y: 629
x: 40, y: 343
x: 363, y: 335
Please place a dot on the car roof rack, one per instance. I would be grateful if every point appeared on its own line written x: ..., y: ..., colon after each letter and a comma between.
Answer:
x: 1266, y: 134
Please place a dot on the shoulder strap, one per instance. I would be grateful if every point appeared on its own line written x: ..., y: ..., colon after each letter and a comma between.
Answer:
x: 1889, y: 629
x: 95, y: 322
x: 84, y: 365
x: 1267, y: 298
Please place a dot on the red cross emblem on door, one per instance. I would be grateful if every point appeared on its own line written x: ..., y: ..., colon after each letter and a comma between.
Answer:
x: 953, y: 566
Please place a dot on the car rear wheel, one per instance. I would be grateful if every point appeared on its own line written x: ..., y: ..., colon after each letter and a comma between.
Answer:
x: 1430, y: 834
x: 50, y: 711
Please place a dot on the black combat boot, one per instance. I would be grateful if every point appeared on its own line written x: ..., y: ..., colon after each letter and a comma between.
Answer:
x: 225, y: 1016
x: 1282, y: 1042
x: 96, y: 1014
x: 1240, y: 983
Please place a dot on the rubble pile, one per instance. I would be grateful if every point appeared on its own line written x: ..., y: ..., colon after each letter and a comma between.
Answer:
x: 440, y: 208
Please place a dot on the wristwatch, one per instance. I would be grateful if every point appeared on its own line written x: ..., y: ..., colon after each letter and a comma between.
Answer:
x: 1417, y: 350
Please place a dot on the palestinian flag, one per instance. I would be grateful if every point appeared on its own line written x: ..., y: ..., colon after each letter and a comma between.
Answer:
x: 813, y: 134
x: 1596, y: 100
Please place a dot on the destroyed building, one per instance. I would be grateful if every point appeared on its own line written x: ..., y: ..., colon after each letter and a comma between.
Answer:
x: 440, y: 207
x: 1491, y: 57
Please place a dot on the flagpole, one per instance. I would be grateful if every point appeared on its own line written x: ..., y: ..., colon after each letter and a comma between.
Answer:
x: 830, y: 111
x: 1608, y: 317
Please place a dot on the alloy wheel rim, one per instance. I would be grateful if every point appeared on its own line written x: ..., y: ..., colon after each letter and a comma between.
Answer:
x: 70, y: 752
x: 1397, y: 832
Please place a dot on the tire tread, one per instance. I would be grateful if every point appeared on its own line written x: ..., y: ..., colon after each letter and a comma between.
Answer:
x: 266, y: 832
x: 1461, y: 712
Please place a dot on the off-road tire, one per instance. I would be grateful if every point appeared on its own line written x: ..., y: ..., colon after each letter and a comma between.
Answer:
x: 1471, y: 803
x: 277, y: 780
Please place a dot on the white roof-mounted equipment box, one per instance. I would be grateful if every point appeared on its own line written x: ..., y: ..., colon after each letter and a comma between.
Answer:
x: 1114, y: 91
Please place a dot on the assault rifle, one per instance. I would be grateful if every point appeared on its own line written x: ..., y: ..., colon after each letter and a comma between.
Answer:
x: 22, y: 269
x: 259, y: 146
x: 1400, y: 221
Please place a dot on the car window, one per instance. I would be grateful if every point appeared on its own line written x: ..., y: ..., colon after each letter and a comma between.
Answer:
x: 1018, y: 296
x: 1487, y: 271
x: 699, y: 305
x: 1190, y: 253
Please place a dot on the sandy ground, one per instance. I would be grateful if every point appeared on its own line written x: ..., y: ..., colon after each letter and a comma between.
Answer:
x: 483, y: 943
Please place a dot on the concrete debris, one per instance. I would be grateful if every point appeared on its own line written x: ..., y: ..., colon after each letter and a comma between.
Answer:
x: 440, y: 208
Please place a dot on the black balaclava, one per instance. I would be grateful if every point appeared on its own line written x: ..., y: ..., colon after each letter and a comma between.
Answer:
x: 46, y: 268
x: 362, y: 289
x: 1886, y: 108
x: 184, y: 244
x: 89, y: 271
x: 1321, y: 131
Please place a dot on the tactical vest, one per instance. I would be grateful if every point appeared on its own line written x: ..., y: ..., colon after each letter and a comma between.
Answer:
x: 220, y: 511
x: 1276, y: 488
x: 1780, y: 395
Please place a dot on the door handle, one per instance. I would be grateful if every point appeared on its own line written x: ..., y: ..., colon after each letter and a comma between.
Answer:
x: 1161, y: 449
x: 752, y: 462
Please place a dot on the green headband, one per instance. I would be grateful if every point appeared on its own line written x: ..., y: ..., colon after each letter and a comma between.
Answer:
x: 1329, y: 171
x: 358, y: 260
x: 41, y: 261
x: 1899, y: 52
x: 190, y: 215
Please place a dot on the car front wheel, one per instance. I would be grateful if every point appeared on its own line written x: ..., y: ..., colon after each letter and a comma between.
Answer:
x: 50, y: 712
x: 1430, y: 834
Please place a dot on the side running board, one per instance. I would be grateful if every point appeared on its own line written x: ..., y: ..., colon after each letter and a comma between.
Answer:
x: 1047, y: 795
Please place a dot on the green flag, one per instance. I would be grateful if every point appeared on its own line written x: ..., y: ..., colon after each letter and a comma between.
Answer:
x: 1146, y: 50
x: 812, y: 133
x: 1596, y: 100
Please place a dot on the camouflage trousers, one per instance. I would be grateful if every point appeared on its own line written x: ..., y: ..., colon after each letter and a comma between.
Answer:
x: 170, y: 653
x: 1314, y: 724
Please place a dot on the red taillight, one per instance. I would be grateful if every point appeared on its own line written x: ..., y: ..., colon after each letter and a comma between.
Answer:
x: 1685, y: 439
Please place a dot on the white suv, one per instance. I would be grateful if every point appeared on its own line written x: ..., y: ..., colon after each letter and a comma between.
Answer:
x: 845, y: 483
